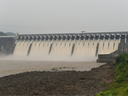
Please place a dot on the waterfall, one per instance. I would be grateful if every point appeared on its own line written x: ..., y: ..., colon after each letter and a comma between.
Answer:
x: 21, y: 48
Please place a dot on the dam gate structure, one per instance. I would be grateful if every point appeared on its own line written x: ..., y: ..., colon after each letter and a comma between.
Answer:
x: 7, y: 44
x: 74, y: 45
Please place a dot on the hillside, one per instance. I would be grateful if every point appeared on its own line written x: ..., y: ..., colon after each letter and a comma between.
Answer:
x: 7, y: 33
x: 120, y: 86
x: 10, y: 33
x: 2, y: 34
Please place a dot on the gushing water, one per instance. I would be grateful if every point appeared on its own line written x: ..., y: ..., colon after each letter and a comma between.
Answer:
x: 108, y: 46
x: 62, y: 49
x: 21, y: 48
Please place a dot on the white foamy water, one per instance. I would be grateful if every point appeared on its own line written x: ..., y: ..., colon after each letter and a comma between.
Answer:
x: 84, y: 50
x: 61, y: 48
x: 106, y: 47
x: 9, y: 67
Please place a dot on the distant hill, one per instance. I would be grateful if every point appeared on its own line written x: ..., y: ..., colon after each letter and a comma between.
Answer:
x: 10, y: 33
x: 2, y: 34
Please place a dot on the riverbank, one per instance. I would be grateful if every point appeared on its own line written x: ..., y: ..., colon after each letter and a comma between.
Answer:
x: 58, y: 83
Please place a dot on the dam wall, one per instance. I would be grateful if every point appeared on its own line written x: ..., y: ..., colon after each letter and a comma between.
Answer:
x: 71, y: 45
x: 7, y: 44
x: 122, y: 47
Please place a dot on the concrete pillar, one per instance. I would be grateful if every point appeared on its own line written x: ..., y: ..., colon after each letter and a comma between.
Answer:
x: 103, y: 38
x: 114, y: 38
x: 125, y: 44
x: 21, y: 37
x: 66, y: 37
x: 99, y: 38
x: 61, y: 39
x: 53, y: 38
x: 121, y: 44
x: 74, y: 39
x: 31, y: 42
x: 37, y: 37
x: 114, y: 41
x: 65, y: 41
x: 24, y: 39
x: 73, y: 45
x: 40, y: 40
x: 103, y: 41
x: 33, y: 38
x: 93, y: 39
x: 84, y: 39
x: 70, y: 39
x: 44, y: 40
x: 79, y: 39
x: 109, y: 40
x: 48, y: 41
x: 28, y: 39
x: 52, y: 41
x: 20, y: 40
x: 57, y: 39
x: 89, y: 39
x: 97, y: 47
x: 120, y: 38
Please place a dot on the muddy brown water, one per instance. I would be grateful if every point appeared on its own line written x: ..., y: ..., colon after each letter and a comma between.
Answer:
x: 9, y: 67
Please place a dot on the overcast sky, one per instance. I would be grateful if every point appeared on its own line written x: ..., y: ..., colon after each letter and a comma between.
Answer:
x: 63, y: 16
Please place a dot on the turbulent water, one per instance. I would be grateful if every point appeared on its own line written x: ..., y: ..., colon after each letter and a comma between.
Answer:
x: 84, y: 50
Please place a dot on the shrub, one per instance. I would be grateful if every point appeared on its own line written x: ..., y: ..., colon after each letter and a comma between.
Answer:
x: 121, y: 58
x: 107, y: 93
x: 120, y: 79
x: 120, y: 86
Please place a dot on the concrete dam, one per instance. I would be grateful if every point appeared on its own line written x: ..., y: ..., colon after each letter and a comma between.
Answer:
x: 70, y: 45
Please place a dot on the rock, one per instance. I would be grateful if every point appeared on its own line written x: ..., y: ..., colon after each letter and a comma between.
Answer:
x: 57, y: 83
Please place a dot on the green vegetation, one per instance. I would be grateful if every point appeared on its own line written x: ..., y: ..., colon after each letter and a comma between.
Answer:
x: 2, y: 34
x: 104, y: 84
x: 120, y: 86
x: 7, y: 34
x: 107, y: 93
x: 10, y: 33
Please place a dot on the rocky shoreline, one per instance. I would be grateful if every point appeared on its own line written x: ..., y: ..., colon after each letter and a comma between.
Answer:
x: 58, y: 83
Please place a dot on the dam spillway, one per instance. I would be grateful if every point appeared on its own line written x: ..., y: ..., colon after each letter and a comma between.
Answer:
x: 75, y: 45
